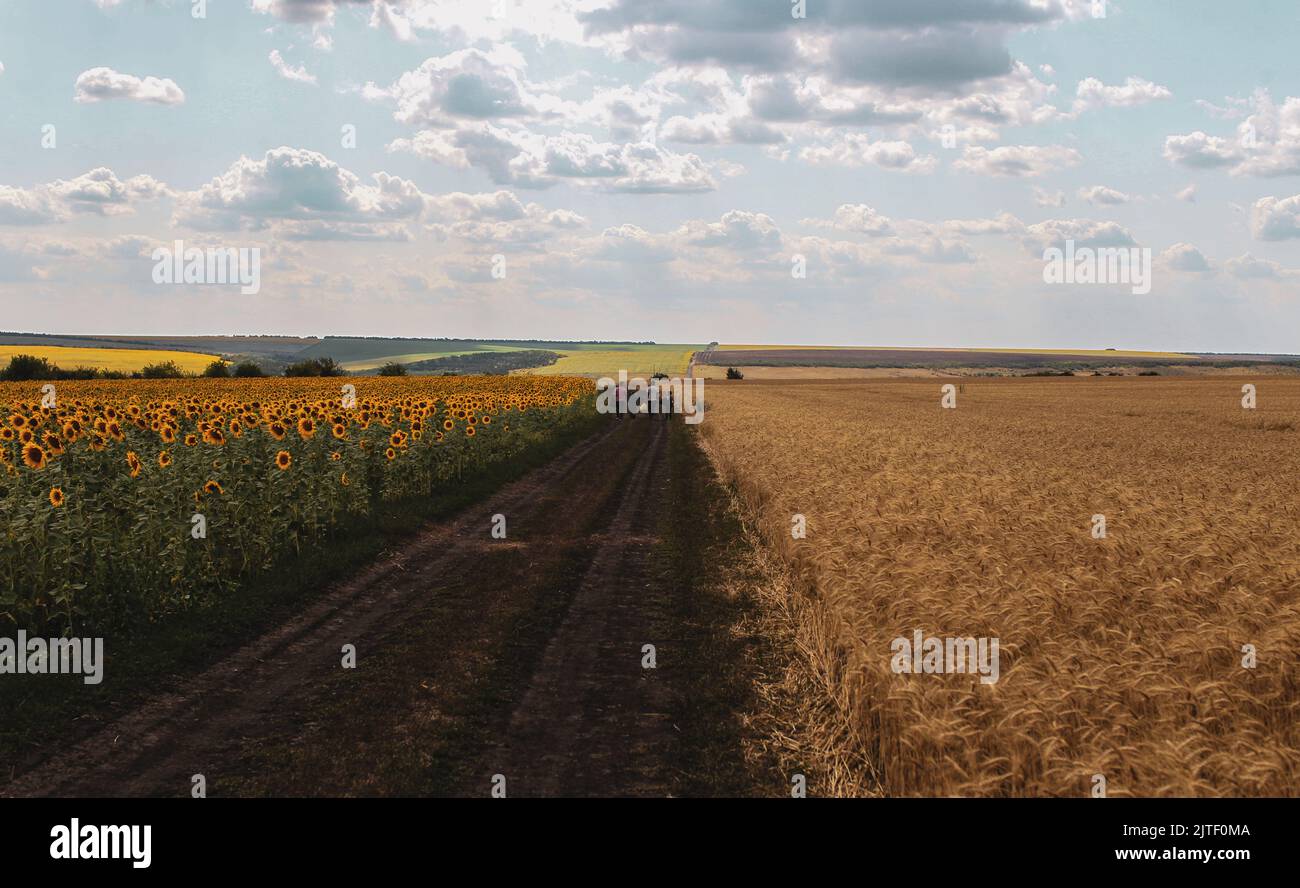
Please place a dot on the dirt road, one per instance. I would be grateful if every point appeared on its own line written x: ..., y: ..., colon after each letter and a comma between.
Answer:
x: 475, y: 657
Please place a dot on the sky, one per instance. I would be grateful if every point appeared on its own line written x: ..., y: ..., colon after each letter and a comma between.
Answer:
x: 840, y: 172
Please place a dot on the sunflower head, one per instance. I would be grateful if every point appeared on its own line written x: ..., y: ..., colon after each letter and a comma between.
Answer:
x: 164, y: 459
x: 213, y: 487
x: 33, y: 456
x: 56, y: 497
x: 283, y: 460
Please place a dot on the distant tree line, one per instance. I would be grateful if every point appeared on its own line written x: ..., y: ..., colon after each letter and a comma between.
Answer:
x: 475, y: 364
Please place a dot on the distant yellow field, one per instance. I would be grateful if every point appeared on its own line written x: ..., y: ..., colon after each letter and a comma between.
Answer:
x: 637, y: 361
x: 715, y: 371
x: 1093, y: 352
x: 125, y: 360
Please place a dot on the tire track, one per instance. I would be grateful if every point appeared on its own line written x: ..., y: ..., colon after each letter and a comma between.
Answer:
x: 593, y: 721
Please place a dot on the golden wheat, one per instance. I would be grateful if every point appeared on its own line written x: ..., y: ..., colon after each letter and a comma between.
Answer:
x: 1120, y: 657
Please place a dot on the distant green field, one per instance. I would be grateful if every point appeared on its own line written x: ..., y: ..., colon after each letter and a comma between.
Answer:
x: 579, y: 358
x: 597, y: 359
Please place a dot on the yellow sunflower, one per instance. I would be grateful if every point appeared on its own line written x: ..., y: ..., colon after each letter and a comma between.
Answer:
x: 33, y: 456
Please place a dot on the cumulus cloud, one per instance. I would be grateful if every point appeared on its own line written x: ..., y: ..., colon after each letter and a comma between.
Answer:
x: 298, y: 194
x: 1084, y: 233
x: 1187, y: 194
x: 459, y: 20
x: 858, y: 218
x: 98, y: 192
x: 737, y: 230
x: 315, y: 197
x: 1017, y: 160
x: 1202, y: 151
x: 1101, y: 195
x: 855, y: 150
x: 298, y: 74
x: 1265, y: 144
x: 102, y: 84
x: 927, y: 248
x: 537, y: 160
x: 630, y: 243
x: 893, y: 42
x: 1092, y: 94
x: 468, y: 84
x: 1273, y: 219
x: 1247, y: 267
x: 1185, y: 257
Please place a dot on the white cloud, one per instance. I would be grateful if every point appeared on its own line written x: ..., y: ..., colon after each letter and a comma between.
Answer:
x: 1084, y: 233
x: 855, y: 150
x: 1092, y: 94
x: 1017, y: 160
x: 298, y: 74
x: 97, y: 192
x: 1187, y: 194
x: 533, y: 160
x: 858, y: 218
x: 1273, y: 219
x: 1266, y: 143
x: 1101, y: 195
x: 1185, y: 257
x: 312, y: 193
x: 101, y: 84
x: 1201, y: 151
x: 1049, y: 198
x: 1247, y: 267
x: 468, y: 84
x: 737, y: 230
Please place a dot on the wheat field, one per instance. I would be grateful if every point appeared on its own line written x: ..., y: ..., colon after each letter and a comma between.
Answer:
x: 125, y: 360
x: 1123, y: 659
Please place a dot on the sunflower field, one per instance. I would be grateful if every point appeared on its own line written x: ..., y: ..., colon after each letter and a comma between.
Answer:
x: 133, y: 499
